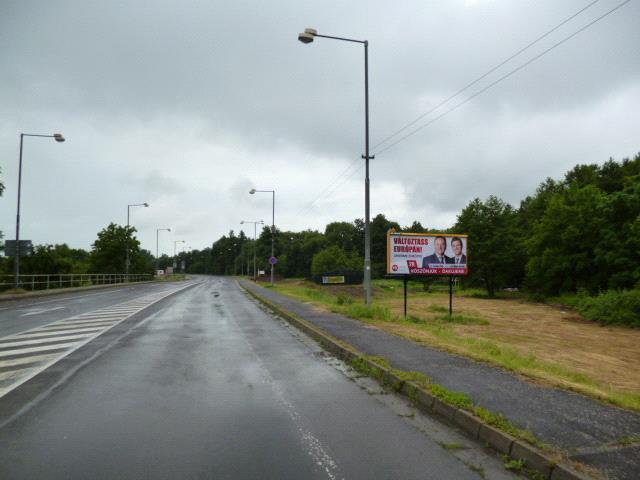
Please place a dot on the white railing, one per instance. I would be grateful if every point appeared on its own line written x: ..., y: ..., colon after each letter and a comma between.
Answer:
x: 45, y: 281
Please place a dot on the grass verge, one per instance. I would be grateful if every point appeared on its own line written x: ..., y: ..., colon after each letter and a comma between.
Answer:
x: 436, y: 328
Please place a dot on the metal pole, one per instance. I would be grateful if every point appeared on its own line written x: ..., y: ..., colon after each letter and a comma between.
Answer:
x: 405, y: 281
x: 273, y: 230
x: 450, y: 295
x: 367, y: 227
x: 157, y: 259
x: 17, y: 262
x: 126, y: 262
x: 254, y: 252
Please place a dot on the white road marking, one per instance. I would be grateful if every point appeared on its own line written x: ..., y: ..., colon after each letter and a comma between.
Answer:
x: 41, y: 311
x: 13, y: 374
x: 83, y: 328
x: 37, y: 341
x: 22, y: 351
x: 26, y: 360
x: 69, y: 328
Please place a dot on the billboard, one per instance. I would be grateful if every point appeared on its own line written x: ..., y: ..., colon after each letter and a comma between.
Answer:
x: 426, y: 254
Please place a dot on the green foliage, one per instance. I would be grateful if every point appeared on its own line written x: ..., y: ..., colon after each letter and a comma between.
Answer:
x: 496, y: 253
x: 612, y: 307
x: 108, y: 253
x: 332, y: 259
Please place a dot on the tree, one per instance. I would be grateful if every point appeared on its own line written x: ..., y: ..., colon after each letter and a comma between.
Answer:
x: 334, y: 258
x: 495, y: 253
x: 379, y: 228
x: 109, y: 250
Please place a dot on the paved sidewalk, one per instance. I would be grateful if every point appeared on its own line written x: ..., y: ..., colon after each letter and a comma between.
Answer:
x: 587, y: 430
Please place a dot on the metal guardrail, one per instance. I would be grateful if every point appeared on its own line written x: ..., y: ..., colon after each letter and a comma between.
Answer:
x: 44, y: 281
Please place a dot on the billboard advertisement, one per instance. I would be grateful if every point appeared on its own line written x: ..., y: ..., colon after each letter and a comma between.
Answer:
x: 426, y: 254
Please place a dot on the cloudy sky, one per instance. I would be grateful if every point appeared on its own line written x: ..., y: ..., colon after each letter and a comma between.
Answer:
x: 188, y: 105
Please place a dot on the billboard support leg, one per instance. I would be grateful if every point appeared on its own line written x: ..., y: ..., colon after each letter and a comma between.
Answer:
x: 405, y: 280
x: 450, y: 295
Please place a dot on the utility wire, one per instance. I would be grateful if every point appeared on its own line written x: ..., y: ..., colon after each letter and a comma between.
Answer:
x: 504, y: 77
x: 328, y: 189
x: 484, y: 75
x: 341, y: 178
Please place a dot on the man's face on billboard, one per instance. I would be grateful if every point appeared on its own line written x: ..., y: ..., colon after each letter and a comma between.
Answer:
x: 441, y: 246
x: 457, y: 247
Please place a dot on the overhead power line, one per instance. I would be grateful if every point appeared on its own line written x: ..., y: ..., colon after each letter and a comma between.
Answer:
x: 504, y: 77
x: 484, y: 75
x: 343, y: 176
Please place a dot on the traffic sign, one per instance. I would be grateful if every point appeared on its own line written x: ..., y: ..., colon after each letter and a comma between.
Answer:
x: 26, y: 248
x: 273, y: 260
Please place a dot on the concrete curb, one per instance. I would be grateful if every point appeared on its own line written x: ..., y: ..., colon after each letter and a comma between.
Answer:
x: 475, y: 428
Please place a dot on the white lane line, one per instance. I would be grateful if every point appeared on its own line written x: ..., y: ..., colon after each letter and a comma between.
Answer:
x: 22, y: 351
x: 51, y: 334
x: 41, y: 311
x: 66, y: 328
x: 23, y: 361
x: 36, y: 341
x: 107, y: 313
x: 88, y: 322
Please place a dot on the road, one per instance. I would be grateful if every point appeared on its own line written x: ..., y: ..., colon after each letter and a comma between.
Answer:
x: 203, y: 383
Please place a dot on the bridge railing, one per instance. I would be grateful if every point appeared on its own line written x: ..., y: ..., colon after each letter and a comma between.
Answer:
x: 45, y: 281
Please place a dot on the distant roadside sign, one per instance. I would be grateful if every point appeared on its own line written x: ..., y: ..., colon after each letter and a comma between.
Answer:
x: 10, y: 250
x: 273, y: 260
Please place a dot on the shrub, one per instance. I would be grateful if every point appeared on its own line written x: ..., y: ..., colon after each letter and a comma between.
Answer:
x: 612, y: 307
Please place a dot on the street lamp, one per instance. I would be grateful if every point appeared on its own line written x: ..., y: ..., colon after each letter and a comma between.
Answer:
x: 261, y: 222
x: 127, y: 261
x: 308, y: 36
x: 273, y: 228
x: 175, y: 242
x: 158, y: 230
x: 58, y: 138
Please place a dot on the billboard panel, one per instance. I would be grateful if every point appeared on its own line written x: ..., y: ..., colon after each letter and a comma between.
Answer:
x: 426, y: 254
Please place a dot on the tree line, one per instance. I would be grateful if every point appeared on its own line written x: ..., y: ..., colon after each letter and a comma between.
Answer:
x: 580, y: 233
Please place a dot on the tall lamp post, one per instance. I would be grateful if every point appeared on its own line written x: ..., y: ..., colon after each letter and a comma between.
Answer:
x: 261, y: 222
x: 127, y: 261
x: 273, y: 228
x: 58, y: 138
x: 158, y: 230
x: 307, y: 37
x: 175, y: 242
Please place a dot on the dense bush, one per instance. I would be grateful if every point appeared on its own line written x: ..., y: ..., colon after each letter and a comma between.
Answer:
x: 612, y: 307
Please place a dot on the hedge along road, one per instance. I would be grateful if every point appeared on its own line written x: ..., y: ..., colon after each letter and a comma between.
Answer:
x: 211, y: 386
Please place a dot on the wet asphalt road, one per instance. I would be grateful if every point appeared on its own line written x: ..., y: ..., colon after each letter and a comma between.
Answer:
x: 20, y: 315
x: 211, y: 386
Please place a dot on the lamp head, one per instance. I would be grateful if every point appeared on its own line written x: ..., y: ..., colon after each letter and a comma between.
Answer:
x: 58, y: 137
x: 241, y: 222
x: 252, y: 191
x: 307, y: 35
x: 145, y: 204
x: 168, y: 229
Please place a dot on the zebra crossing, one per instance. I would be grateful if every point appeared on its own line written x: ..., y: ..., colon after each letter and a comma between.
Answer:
x: 24, y: 355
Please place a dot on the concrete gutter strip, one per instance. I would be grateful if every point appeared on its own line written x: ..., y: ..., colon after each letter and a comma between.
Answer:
x: 474, y: 427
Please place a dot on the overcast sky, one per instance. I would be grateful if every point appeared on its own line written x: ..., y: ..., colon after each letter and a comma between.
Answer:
x: 188, y: 105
